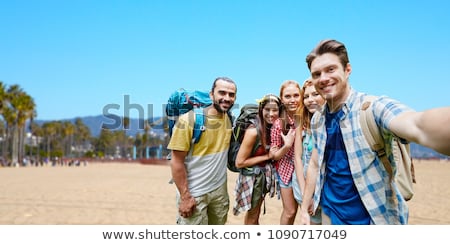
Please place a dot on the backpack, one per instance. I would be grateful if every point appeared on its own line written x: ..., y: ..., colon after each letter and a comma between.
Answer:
x: 247, y: 116
x: 405, y: 176
x: 182, y: 101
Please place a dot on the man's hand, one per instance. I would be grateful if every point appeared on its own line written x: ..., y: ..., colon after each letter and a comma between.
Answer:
x: 187, y: 206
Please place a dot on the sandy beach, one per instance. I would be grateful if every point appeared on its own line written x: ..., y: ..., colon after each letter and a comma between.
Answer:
x: 138, y: 194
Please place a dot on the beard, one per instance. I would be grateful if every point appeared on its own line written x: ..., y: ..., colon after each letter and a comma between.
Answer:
x: 219, y: 108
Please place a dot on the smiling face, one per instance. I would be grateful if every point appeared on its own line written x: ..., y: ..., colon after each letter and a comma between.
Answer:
x: 223, y: 95
x: 270, y: 112
x: 290, y: 96
x: 312, y: 99
x: 330, y: 79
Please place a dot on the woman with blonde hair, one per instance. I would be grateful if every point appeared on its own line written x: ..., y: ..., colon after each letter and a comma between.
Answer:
x: 312, y: 102
x: 282, y: 137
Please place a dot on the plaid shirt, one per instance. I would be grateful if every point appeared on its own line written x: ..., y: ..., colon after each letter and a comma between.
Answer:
x: 380, y: 197
x: 284, y: 166
x: 244, y: 188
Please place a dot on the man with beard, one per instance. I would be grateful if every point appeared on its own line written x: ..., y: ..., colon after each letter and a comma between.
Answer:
x: 200, y: 173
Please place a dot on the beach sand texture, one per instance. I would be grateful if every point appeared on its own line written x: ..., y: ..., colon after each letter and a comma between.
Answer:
x: 137, y: 194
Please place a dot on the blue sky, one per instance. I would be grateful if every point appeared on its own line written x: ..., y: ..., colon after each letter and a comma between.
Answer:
x: 77, y: 57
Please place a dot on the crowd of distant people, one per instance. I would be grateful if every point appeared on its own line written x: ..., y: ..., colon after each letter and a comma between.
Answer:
x: 45, y: 162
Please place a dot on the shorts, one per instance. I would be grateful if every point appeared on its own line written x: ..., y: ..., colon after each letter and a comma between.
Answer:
x: 280, y: 182
x: 212, y: 208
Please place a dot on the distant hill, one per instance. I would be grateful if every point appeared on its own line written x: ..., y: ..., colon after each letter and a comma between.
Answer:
x: 94, y: 123
x: 113, y: 122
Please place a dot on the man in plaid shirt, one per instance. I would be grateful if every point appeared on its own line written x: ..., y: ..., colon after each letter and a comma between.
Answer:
x: 345, y: 176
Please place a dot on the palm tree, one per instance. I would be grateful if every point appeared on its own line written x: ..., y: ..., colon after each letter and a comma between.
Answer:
x: 25, y: 111
x: 37, y: 131
x: 50, y: 131
x: 13, y: 99
x: 8, y: 116
x: 3, y: 131
x: 105, y: 142
x: 2, y: 96
x: 145, y: 137
x: 2, y: 142
x: 138, y: 139
x: 126, y: 126
x: 68, y: 130
x: 18, y: 109
x: 82, y: 135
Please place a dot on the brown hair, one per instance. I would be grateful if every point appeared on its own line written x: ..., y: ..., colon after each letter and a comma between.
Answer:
x: 264, y: 126
x: 328, y: 46
x: 305, y: 115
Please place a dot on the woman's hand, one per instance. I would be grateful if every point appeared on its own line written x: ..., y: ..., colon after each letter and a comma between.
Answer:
x: 289, y: 137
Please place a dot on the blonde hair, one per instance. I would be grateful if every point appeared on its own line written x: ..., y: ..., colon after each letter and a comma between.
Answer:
x: 305, y: 115
x: 283, y: 114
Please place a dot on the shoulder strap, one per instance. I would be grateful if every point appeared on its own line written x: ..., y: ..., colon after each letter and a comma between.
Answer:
x: 231, y: 117
x: 199, y: 124
x: 258, y: 141
x: 372, y: 133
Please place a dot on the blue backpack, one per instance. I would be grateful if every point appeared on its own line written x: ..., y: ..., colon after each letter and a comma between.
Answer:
x: 182, y: 101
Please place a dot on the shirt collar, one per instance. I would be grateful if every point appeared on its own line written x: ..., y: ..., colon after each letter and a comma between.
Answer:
x: 346, y: 106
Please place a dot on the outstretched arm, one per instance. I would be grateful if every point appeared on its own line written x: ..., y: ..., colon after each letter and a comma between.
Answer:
x: 430, y: 128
